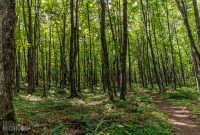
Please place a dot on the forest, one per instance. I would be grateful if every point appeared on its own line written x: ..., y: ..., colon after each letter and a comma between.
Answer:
x: 99, y: 67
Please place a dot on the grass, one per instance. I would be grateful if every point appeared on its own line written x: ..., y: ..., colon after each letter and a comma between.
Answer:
x: 185, y: 97
x: 91, y: 114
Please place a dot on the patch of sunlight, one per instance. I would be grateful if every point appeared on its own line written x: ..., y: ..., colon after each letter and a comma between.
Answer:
x: 77, y: 102
x: 95, y: 97
x: 98, y: 88
x: 94, y: 103
x: 90, y: 95
x: 175, y: 122
x: 180, y: 115
x: 182, y: 111
x: 109, y: 109
x: 120, y: 126
x: 52, y: 91
x: 32, y: 98
x: 52, y: 97
x: 87, y: 90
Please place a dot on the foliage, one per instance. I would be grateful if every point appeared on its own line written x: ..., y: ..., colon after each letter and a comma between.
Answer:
x: 93, y: 114
x: 58, y: 129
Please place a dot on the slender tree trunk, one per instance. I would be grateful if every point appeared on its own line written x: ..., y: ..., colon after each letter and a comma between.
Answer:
x: 148, y: 36
x: 62, y: 55
x: 72, y: 52
x: 84, y: 63
x: 157, y: 53
x: 25, y: 61
x: 37, y: 39
x: 124, y: 51
x: 90, y: 41
x: 105, y: 51
x: 195, y: 53
x: 46, y: 57
x: 56, y: 63
x: 31, y: 58
x: 173, y: 72
x: 43, y: 69
x: 49, y: 62
x: 139, y: 60
x: 164, y: 59
x: 130, y: 65
x: 77, y: 46
x: 180, y: 57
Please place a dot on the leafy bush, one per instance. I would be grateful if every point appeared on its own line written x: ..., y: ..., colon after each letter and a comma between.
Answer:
x: 182, y: 95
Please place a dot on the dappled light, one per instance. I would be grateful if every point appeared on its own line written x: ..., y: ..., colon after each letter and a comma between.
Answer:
x: 32, y: 98
x: 179, y: 117
x: 99, y: 67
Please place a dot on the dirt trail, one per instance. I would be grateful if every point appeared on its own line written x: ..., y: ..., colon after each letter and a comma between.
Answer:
x: 179, y: 118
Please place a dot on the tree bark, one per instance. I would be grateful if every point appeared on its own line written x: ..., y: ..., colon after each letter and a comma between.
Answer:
x: 31, y: 51
x: 90, y: 55
x: 62, y: 54
x: 49, y: 61
x: 105, y: 51
x: 124, y: 51
x: 72, y: 52
x: 173, y: 72
x: 7, y: 59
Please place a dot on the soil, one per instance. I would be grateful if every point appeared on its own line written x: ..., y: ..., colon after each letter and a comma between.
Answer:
x: 179, y: 117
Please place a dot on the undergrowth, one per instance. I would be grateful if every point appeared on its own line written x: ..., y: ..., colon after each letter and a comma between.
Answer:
x: 91, y: 114
x: 185, y: 97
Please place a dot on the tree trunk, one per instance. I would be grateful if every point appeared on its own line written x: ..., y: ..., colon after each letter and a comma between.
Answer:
x: 173, y: 72
x: 31, y: 52
x: 181, y: 59
x: 105, y: 51
x: 124, y: 51
x: 49, y: 62
x: 72, y: 52
x: 37, y: 39
x: 130, y: 65
x: 43, y: 69
x: 90, y: 41
x: 7, y: 59
x: 195, y: 53
x: 62, y: 55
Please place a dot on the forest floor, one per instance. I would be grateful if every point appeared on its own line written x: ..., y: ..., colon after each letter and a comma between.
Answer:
x: 91, y: 114
x: 179, y: 117
x: 94, y: 114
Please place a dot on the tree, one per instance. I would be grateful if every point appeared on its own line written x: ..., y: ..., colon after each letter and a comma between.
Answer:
x: 124, y: 51
x: 105, y: 51
x: 7, y: 59
x: 31, y: 50
x: 68, y: 46
x: 147, y: 27
x: 182, y: 6
x: 62, y: 53
x: 73, y: 50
